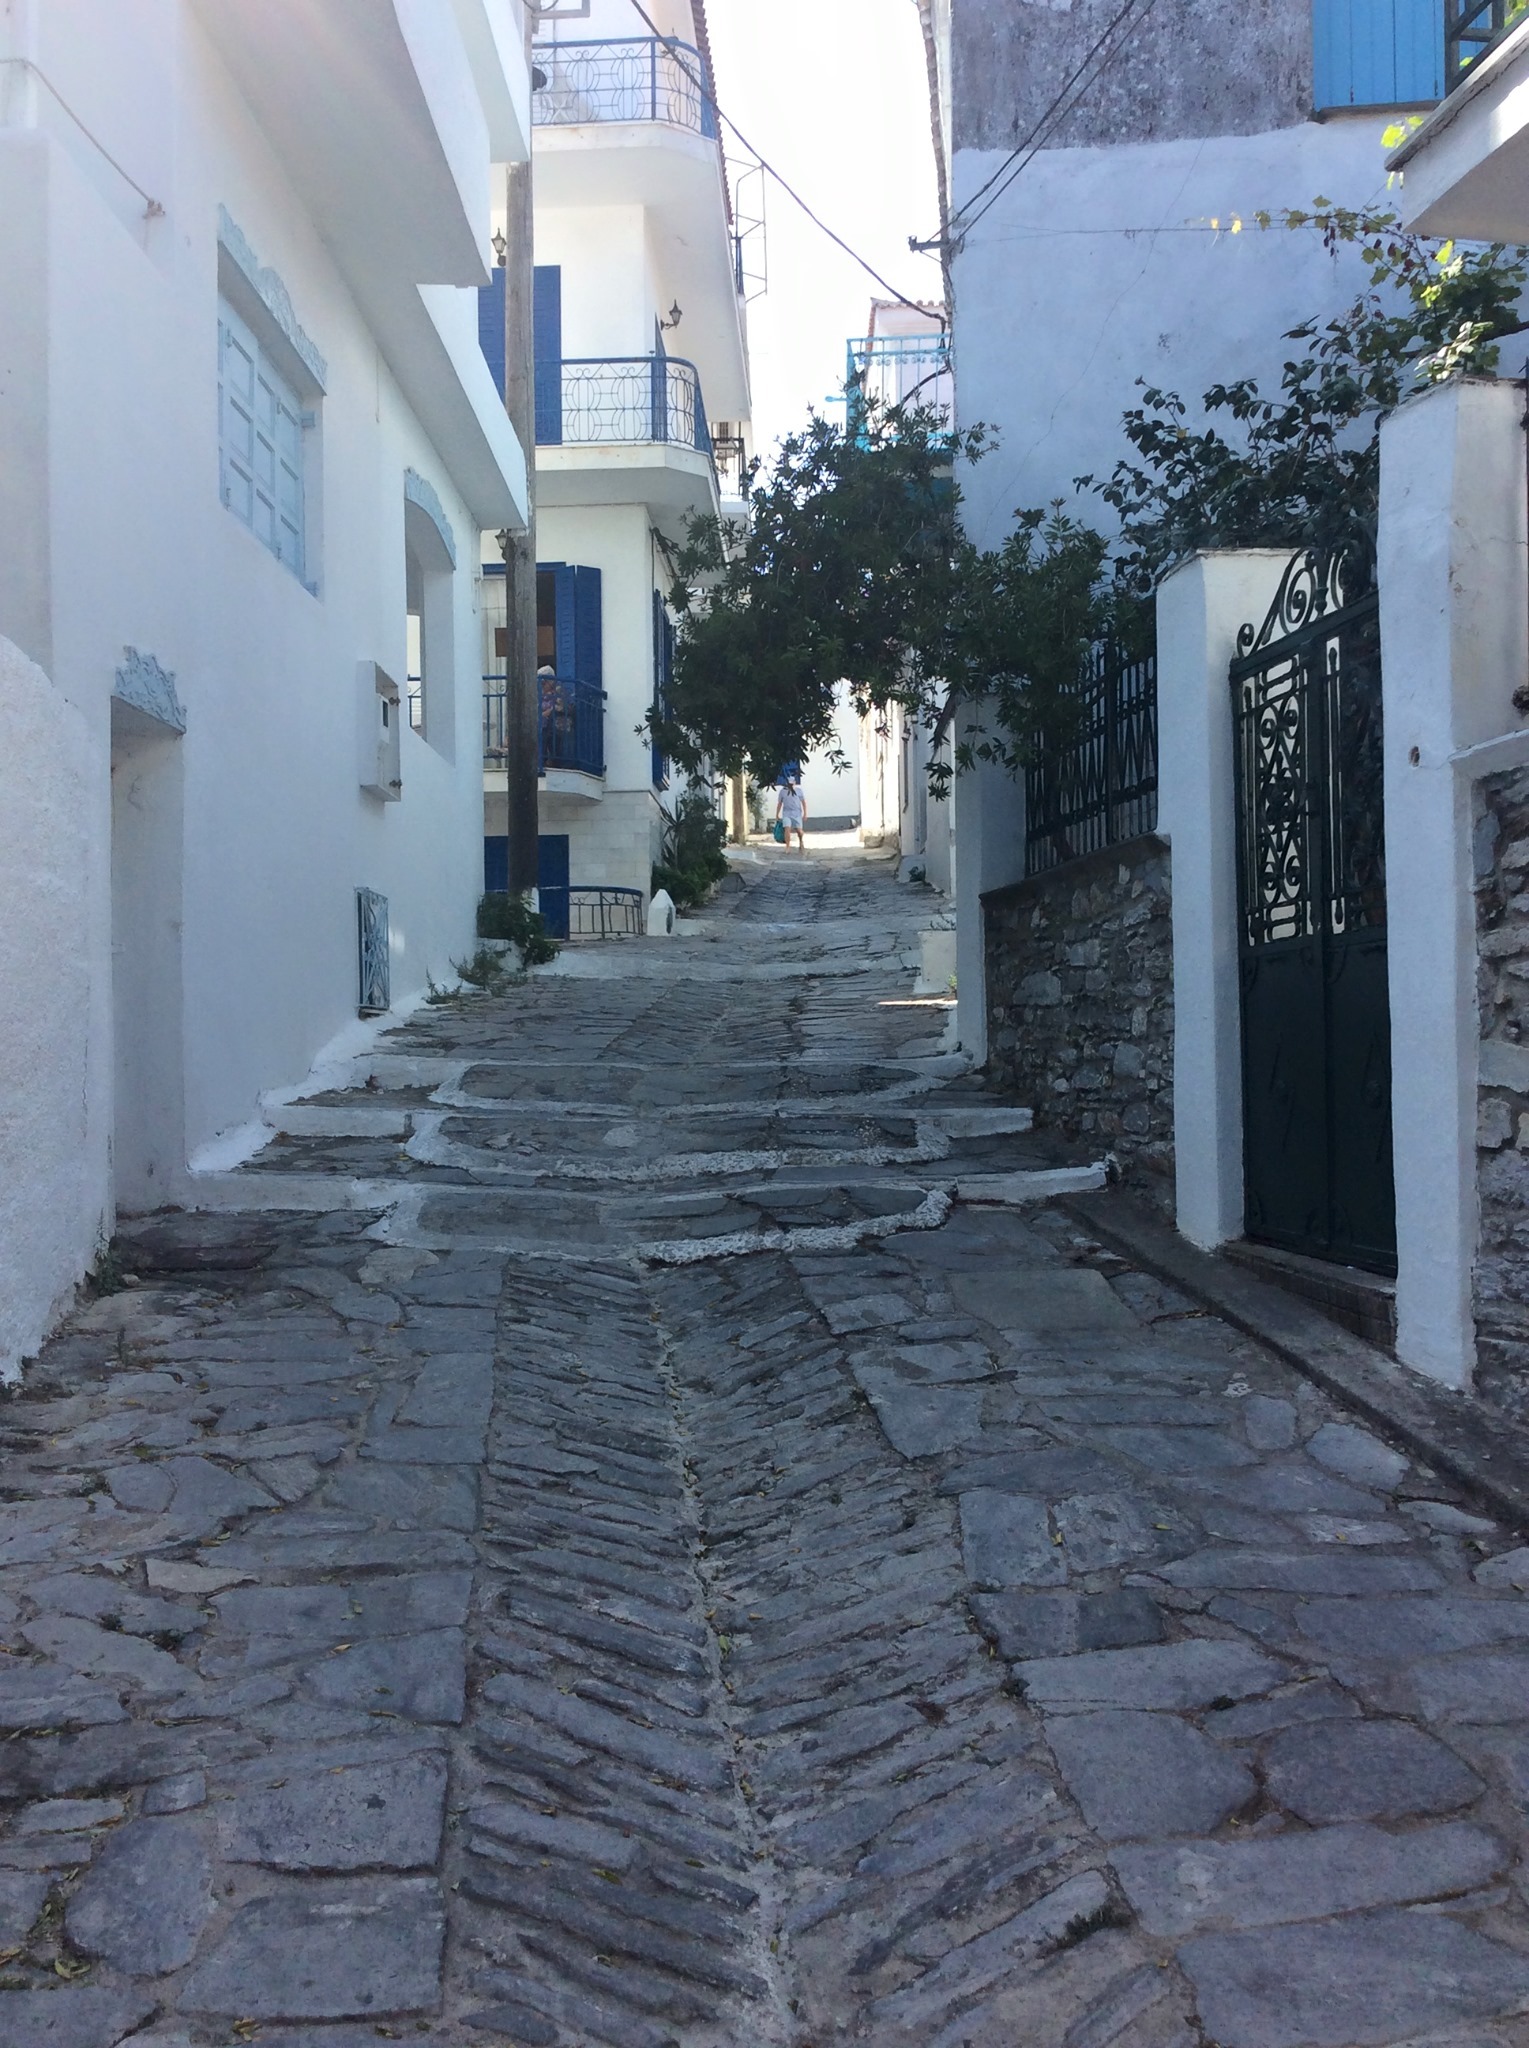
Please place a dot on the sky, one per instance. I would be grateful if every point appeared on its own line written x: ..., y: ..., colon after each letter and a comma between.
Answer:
x: 834, y: 94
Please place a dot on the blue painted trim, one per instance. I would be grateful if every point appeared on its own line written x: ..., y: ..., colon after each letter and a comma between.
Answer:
x: 149, y: 688
x: 420, y: 492
x: 271, y: 292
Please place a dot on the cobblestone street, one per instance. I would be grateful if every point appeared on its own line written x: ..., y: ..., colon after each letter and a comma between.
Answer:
x: 454, y: 1595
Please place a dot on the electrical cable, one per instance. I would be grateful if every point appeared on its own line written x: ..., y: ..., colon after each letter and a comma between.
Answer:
x: 1081, y: 76
x: 151, y: 206
x: 710, y: 97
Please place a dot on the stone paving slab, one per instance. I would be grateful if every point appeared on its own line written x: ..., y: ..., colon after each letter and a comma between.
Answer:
x: 935, y: 1639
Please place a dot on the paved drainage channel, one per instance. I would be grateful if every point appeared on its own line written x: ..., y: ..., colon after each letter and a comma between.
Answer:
x: 959, y: 1640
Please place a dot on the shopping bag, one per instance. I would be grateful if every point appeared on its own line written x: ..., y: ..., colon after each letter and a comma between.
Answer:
x: 778, y: 831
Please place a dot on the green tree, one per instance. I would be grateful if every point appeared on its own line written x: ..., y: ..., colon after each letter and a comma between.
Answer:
x: 852, y: 566
x: 1302, y: 467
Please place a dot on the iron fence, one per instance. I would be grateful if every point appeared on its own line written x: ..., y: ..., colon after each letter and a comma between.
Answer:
x: 622, y: 399
x: 623, y: 78
x: 604, y: 911
x: 1094, y: 784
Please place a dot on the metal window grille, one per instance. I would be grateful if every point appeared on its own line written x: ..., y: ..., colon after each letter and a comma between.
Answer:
x: 1094, y: 784
x: 373, y: 953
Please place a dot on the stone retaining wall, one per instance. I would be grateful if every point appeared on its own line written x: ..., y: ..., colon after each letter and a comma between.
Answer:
x: 1080, y: 1004
x: 1502, y: 1102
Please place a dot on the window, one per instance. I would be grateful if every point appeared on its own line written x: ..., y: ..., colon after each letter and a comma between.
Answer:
x: 568, y: 623
x: 1376, y: 53
x: 429, y: 627
x: 260, y: 442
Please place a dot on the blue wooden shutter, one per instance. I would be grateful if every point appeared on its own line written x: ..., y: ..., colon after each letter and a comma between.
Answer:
x: 552, y: 876
x: 491, y: 326
x: 547, y: 349
x: 589, y: 651
x: 1376, y: 53
x: 567, y: 661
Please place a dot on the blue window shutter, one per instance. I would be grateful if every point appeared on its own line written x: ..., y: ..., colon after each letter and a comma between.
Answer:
x: 588, y: 632
x: 1419, y: 51
x: 496, y: 865
x: 1376, y: 53
x: 547, y: 349
x: 567, y: 632
x: 552, y: 873
x: 491, y: 326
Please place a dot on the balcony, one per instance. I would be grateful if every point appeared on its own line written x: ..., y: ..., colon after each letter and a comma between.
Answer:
x: 1467, y: 165
x: 1471, y: 28
x: 624, y: 430
x: 628, y: 78
x: 620, y: 399
x: 632, y: 123
x: 571, y: 737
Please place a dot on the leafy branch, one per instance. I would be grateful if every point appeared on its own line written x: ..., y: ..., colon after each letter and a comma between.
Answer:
x: 1302, y: 467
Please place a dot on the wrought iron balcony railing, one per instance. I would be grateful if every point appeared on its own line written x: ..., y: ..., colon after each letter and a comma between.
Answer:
x: 628, y: 78
x: 587, y: 400
x: 571, y: 732
x: 900, y: 369
x: 1471, y: 28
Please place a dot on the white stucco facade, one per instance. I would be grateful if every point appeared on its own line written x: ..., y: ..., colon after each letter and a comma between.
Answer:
x: 216, y: 187
x: 641, y: 371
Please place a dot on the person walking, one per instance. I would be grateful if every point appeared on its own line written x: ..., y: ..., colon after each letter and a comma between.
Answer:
x: 791, y: 809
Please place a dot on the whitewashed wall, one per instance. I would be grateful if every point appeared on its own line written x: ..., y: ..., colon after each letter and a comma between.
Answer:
x: 1100, y: 267
x: 55, y: 1104
x: 109, y: 466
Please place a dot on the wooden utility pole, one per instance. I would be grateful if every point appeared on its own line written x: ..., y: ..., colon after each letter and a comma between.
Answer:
x: 522, y: 709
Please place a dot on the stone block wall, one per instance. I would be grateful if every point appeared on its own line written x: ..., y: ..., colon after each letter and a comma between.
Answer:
x: 1080, y: 1004
x: 1502, y: 1101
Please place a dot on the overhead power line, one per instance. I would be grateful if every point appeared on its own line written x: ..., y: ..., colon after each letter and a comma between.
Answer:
x: 710, y: 97
x: 1067, y: 98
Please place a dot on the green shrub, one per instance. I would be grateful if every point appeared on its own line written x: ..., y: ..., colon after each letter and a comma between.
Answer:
x: 694, y: 837
x: 510, y: 917
x: 688, y: 886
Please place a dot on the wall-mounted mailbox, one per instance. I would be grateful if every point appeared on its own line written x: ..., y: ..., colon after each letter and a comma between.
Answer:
x: 381, y: 724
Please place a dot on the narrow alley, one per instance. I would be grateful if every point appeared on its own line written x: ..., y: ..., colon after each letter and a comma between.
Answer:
x: 622, y: 1527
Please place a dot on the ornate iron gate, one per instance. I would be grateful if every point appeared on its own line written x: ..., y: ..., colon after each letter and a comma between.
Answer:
x: 1316, y: 1026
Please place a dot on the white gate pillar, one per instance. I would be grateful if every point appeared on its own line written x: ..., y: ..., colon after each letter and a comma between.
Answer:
x: 1453, y: 631
x: 1199, y: 610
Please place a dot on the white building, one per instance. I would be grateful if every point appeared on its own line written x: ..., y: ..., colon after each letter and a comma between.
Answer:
x: 246, y: 437
x: 903, y: 358
x: 1101, y: 237
x: 642, y: 411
